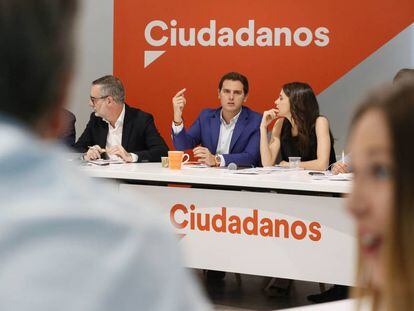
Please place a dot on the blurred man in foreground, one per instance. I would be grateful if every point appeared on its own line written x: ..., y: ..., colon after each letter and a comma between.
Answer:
x: 67, y: 243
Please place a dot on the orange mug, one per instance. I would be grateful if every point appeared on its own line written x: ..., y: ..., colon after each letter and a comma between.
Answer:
x: 175, y: 159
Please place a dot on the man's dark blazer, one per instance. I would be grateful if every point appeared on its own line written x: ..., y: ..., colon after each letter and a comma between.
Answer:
x: 139, y: 135
x: 205, y: 131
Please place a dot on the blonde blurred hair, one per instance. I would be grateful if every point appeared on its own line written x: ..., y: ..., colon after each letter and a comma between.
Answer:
x: 397, y: 104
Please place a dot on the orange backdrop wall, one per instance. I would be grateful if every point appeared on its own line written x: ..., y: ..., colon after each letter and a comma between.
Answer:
x: 328, y: 38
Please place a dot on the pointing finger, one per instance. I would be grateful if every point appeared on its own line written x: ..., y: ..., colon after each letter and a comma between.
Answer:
x: 180, y: 92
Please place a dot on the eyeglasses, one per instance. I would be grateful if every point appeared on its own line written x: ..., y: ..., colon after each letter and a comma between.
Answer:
x: 94, y: 99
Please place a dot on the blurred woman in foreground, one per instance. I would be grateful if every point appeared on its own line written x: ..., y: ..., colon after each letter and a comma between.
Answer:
x: 382, y: 199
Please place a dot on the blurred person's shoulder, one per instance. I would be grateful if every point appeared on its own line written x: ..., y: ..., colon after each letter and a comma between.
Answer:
x: 60, y: 227
x: 41, y: 175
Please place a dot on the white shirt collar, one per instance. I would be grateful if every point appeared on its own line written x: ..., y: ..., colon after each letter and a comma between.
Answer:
x: 232, y: 121
x: 120, y: 121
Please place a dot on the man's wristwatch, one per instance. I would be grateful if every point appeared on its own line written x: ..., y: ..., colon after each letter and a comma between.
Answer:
x: 217, y: 159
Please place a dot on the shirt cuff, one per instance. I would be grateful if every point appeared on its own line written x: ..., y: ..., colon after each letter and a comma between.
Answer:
x: 134, y: 157
x: 177, y: 128
x: 222, y: 162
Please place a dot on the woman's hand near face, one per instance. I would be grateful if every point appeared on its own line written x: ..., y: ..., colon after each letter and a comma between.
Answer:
x: 270, y: 149
x: 268, y: 117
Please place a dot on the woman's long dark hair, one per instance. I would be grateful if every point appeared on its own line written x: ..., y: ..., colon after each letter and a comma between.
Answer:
x: 305, y: 110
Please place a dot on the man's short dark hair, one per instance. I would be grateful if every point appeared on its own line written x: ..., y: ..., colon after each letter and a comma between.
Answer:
x: 36, y: 51
x: 235, y: 76
x: 403, y: 74
x: 111, y: 86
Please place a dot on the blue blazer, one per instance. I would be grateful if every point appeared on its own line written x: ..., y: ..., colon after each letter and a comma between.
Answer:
x: 245, y: 142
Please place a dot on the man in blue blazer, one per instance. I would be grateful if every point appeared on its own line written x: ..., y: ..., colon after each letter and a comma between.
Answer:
x: 229, y: 134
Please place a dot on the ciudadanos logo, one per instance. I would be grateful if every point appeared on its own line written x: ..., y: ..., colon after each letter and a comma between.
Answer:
x: 161, y: 35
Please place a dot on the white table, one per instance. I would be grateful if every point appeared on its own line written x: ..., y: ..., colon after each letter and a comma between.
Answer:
x: 283, y: 224
x: 297, y: 180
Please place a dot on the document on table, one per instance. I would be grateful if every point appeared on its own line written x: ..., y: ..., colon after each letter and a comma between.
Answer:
x: 338, y: 177
x: 342, y: 176
x: 263, y: 170
x: 102, y: 162
x: 192, y: 164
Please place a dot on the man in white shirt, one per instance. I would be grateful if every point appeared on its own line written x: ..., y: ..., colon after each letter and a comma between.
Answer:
x: 118, y: 129
x: 67, y: 243
x: 229, y: 134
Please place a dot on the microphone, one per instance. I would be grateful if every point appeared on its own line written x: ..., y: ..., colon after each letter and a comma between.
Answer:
x: 232, y: 166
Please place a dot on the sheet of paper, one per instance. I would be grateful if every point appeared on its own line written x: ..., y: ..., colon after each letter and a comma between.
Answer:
x: 262, y: 170
x: 330, y: 176
x: 103, y: 162
x: 342, y: 176
x: 194, y: 165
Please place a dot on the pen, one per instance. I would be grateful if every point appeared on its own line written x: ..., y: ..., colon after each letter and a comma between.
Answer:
x: 343, y: 157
